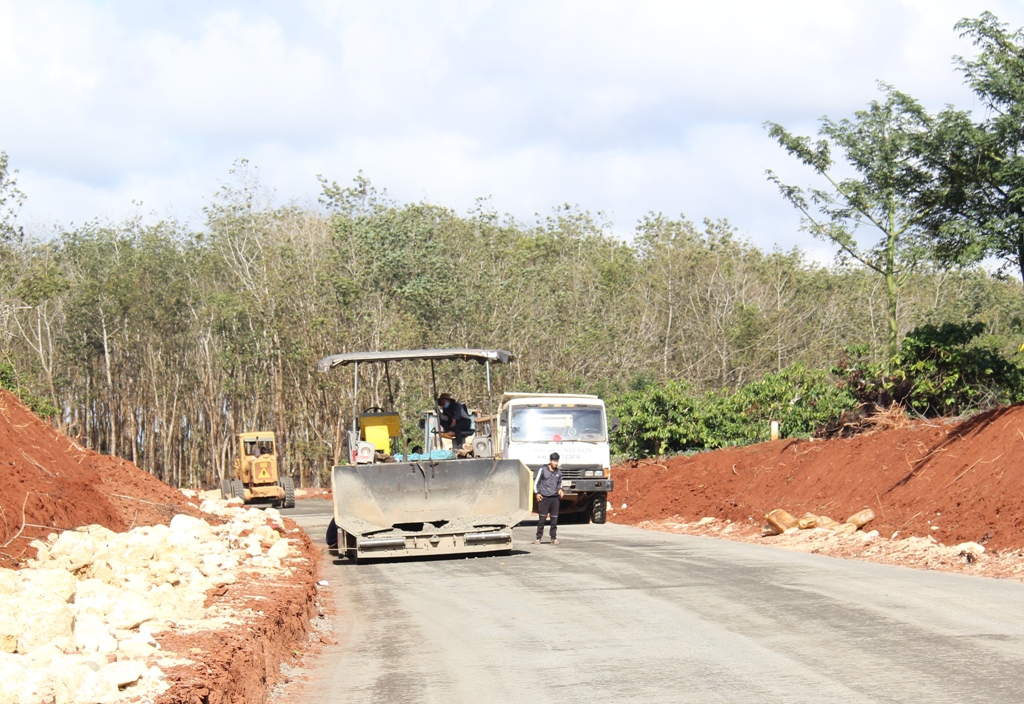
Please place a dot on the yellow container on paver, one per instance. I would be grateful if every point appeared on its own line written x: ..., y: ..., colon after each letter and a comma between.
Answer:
x: 379, y: 428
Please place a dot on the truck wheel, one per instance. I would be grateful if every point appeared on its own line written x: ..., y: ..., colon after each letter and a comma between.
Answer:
x: 225, y: 489
x: 238, y: 489
x: 289, y: 492
x: 599, y: 512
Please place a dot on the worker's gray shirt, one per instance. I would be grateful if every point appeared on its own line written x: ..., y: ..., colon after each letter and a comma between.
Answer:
x: 547, y: 483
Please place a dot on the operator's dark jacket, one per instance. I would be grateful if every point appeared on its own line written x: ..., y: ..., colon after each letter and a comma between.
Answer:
x: 455, y: 418
x: 547, y: 482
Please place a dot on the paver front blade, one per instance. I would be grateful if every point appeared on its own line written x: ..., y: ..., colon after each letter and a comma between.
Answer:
x: 417, y: 508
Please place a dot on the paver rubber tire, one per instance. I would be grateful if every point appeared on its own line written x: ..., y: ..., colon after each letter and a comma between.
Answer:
x: 237, y: 489
x: 599, y: 511
x: 332, y: 535
x: 289, y: 492
x: 225, y: 489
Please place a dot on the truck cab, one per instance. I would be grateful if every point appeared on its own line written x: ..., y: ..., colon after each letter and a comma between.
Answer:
x: 532, y: 426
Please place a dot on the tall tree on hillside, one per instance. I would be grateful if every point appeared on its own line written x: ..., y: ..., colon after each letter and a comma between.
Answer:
x: 882, y: 146
x: 977, y: 205
x: 11, y: 199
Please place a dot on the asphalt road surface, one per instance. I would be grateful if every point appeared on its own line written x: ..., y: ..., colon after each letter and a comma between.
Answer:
x: 617, y: 614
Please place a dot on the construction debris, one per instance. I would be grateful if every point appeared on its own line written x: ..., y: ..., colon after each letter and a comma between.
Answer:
x: 866, y: 418
x: 81, y: 617
x: 780, y: 521
x: 861, y: 518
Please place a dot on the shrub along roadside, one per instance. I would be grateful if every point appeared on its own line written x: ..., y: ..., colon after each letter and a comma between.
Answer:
x: 668, y: 418
x: 39, y: 405
x: 945, y: 370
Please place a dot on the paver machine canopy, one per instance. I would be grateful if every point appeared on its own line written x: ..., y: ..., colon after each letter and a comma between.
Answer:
x: 390, y: 504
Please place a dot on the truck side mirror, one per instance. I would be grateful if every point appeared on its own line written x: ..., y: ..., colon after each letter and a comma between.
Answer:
x: 613, y: 425
x: 423, y: 423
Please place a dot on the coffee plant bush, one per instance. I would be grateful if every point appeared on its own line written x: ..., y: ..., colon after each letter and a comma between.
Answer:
x: 668, y: 418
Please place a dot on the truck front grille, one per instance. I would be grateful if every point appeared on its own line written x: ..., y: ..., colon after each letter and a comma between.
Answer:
x: 577, y: 472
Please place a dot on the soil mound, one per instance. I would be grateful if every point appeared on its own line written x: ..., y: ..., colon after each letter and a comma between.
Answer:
x: 48, y: 482
x: 956, y: 481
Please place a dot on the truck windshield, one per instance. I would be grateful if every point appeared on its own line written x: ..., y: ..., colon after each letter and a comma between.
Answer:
x: 580, y: 423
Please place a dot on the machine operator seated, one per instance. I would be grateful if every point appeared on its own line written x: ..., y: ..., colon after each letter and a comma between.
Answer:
x: 256, y: 449
x: 455, y: 420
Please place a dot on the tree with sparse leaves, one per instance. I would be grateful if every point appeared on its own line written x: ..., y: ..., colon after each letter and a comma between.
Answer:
x: 11, y: 199
x: 881, y: 145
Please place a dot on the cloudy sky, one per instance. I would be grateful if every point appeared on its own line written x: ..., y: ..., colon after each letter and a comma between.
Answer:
x: 622, y: 107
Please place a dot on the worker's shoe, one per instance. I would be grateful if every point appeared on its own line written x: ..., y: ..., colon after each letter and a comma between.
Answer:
x: 554, y: 542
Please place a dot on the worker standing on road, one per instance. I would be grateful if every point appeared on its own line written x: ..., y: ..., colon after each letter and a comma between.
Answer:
x: 548, y: 488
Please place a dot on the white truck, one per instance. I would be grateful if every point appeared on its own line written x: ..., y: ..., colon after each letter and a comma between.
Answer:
x: 576, y: 426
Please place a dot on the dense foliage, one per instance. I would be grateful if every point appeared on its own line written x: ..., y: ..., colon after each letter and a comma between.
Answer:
x: 669, y: 418
x: 976, y: 205
x: 9, y: 382
x: 159, y: 342
x: 882, y: 146
x: 941, y: 370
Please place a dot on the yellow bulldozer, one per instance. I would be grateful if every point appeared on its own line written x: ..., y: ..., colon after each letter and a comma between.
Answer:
x: 255, y: 477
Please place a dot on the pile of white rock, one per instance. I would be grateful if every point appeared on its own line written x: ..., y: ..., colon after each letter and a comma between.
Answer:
x: 78, y: 621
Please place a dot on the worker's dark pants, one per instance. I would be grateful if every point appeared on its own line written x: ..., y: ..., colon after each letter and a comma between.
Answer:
x: 463, y: 429
x: 547, y: 505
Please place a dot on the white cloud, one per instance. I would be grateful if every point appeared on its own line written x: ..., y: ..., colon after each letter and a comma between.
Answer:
x: 618, y: 106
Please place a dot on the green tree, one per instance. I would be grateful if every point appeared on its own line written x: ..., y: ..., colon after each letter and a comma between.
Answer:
x: 11, y: 199
x: 941, y: 370
x: 977, y: 205
x: 882, y: 145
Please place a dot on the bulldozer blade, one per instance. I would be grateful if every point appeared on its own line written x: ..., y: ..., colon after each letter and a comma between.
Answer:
x: 406, y: 508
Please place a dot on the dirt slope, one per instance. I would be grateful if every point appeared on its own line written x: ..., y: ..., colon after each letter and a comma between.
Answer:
x: 48, y: 481
x: 955, y: 481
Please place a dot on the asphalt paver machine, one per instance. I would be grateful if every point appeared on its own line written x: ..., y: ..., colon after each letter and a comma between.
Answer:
x: 389, y: 503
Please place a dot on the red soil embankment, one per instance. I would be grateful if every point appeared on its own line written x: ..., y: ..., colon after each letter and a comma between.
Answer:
x: 955, y: 481
x: 48, y: 483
